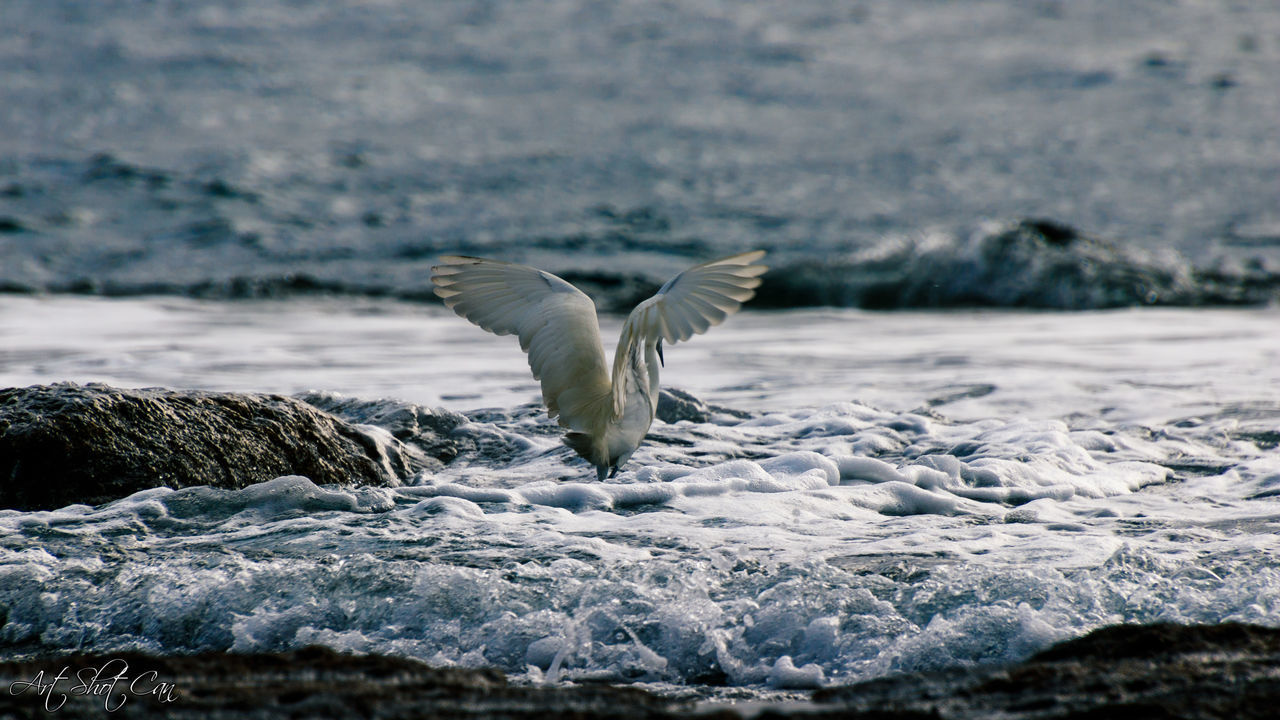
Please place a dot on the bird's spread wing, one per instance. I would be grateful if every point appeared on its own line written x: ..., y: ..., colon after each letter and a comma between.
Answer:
x: 689, y: 304
x: 555, y: 321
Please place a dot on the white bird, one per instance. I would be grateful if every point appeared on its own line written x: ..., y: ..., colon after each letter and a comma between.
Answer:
x: 607, y: 414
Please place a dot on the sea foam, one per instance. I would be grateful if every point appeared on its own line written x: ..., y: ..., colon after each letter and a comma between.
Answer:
x: 966, y: 499
x: 806, y: 564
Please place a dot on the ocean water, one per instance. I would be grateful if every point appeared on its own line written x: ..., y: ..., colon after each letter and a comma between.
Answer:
x: 1070, y: 419
x: 232, y: 148
x: 897, y: 491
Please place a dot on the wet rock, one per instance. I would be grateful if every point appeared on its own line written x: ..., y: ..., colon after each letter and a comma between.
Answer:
x: 675, y: 405
x: 1125, y: 671
x: 428, y: 429
x: 67, y: 443
x: 314, y: 683
x: 1128, y: 671
x: 490, y: 437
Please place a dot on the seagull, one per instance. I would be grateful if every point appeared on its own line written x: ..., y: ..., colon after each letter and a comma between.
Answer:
x: 606, y: 413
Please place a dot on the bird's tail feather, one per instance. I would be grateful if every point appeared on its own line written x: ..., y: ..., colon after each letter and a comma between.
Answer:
x: 583, y: 445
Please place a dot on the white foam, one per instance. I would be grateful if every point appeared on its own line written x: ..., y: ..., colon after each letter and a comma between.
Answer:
x: 464, y: 492
x: 800, y: 547
x: 293, y: 493
x: 807, y: 467
x: 447, y: 506
x: 785, y: 675
x: 868, y: 469
x: 573, y: 496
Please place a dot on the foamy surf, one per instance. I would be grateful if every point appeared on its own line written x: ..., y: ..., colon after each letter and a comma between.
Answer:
x: 975, y: 488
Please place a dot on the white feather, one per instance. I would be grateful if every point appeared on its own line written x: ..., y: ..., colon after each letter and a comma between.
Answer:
x: 556, y: 324
x: 557, y: 327
x: 689, y: 304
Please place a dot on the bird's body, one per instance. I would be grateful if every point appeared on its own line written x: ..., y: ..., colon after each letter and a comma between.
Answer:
x: 606, y: 412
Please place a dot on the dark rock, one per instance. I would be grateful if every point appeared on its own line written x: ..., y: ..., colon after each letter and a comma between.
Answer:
x: 490, y: 437
x: 675, y: 405
x: 1148, y: 641
x: 315, y: 683
x: 67, y: 443
x: 1125, y: 671
x: 428, y: 429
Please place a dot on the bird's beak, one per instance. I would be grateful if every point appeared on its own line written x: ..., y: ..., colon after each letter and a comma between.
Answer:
x: 661, y: 360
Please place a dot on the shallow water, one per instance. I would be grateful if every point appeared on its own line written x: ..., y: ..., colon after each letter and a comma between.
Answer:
x: 911, y: 490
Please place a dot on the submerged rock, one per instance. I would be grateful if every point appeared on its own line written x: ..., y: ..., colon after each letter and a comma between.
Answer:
x: 67, y: 443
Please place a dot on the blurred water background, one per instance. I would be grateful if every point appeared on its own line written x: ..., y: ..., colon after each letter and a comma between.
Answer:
x: 233, y: 149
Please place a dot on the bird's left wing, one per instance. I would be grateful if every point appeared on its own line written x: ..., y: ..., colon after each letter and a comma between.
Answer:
x: 556, y: 324
x: 689, y: 304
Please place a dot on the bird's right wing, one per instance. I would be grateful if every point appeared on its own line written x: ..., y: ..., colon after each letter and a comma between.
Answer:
x: 556, y: 324
x: 687, y: 305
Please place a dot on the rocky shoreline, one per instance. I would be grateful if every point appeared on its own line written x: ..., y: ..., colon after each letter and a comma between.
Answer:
x: 1131, y: 671
x: 67, y: 444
